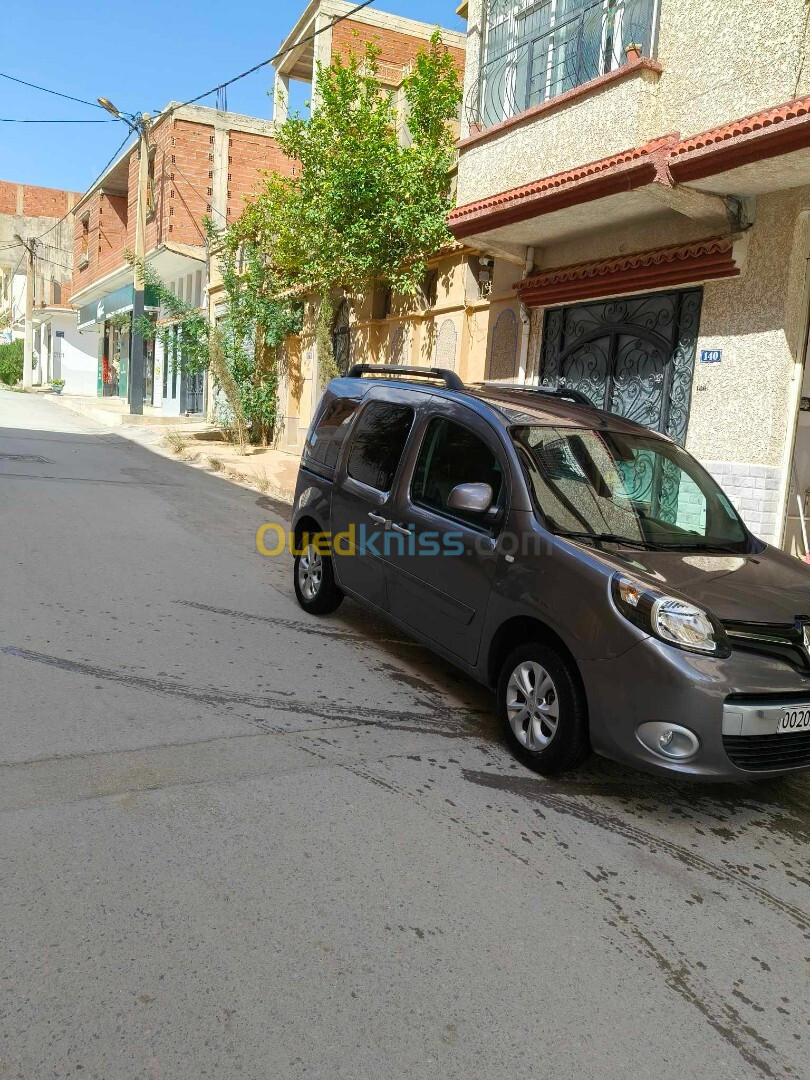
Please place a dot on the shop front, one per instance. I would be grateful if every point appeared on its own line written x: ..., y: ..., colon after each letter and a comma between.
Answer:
x: 111, y: 315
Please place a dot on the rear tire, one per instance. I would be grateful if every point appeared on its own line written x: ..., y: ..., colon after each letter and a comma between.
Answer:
x: 543, y: 709
x: 314, y: 579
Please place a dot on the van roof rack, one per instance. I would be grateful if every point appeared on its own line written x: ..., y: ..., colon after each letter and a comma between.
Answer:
x: 449, y: 378
x: 575, y: 396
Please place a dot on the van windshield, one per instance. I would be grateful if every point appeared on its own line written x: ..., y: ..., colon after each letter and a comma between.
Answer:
x: 635, y: 489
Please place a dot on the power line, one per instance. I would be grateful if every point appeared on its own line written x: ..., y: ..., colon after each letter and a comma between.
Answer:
x: 272, y: 59
x: 214, y: 90
x: 6, y: 120
x: 46, y: 90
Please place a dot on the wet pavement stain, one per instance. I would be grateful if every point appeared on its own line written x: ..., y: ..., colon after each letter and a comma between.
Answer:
x: 316, y: 628
x: 400, y: 719
x: 543, y: 791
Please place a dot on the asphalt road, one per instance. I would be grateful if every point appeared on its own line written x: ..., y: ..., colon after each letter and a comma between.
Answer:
x: 238, y: 841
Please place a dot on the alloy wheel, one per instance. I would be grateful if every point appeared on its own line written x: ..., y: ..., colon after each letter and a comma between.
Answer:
x: 532, y: 705
x: 310, y: 573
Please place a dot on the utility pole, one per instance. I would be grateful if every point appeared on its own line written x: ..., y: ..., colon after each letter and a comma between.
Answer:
x: 28, y: 345
x: 138, y: 125
x: 136, y: 364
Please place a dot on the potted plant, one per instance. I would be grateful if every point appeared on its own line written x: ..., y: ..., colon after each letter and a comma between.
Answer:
x: 57, y: 385
x: 633, y: 52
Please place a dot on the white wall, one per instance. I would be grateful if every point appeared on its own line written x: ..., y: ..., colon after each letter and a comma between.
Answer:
x: 79, y: 364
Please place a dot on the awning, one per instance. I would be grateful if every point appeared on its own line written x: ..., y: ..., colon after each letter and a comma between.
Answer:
x: 114, y: 303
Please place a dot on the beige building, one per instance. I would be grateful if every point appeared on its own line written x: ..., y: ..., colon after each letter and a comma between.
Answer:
x: 648, y: 163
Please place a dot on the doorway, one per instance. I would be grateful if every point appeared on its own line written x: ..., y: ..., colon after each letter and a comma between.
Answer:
x: 632, y: 356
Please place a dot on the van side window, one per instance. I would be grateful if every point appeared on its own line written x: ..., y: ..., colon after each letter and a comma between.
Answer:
x: 326, y: 437
x: 451, y: 455
x: 378, y: 443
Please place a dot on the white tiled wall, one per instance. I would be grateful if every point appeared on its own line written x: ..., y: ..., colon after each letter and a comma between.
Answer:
x: 754, y: 490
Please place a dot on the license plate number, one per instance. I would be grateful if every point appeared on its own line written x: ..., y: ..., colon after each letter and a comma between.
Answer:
x: 793, y: 720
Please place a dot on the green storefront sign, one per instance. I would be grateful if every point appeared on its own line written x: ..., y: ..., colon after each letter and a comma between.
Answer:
x: 113, y: 304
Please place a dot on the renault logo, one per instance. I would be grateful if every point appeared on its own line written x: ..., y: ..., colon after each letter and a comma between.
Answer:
x: 803, y: 625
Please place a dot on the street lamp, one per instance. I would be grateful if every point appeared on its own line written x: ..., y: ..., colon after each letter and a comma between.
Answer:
x: 138, y: 125
x: 105, y: 103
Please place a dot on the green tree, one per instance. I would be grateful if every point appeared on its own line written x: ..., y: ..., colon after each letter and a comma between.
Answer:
x: 364, y: 204
x: 11, y: 362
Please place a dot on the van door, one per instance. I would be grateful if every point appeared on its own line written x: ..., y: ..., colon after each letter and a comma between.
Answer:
x: 440, y: 574
x: 361, y: 494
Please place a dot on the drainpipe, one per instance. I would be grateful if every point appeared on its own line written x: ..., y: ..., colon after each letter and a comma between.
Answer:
x: 526, y: 319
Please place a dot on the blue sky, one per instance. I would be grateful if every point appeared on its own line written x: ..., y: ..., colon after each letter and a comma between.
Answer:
x: 90, y: 48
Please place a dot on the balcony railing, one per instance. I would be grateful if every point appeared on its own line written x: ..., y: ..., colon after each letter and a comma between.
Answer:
x: 535, y: 50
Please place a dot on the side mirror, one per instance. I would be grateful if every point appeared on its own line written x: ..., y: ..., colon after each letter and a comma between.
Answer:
x: 471, y: 498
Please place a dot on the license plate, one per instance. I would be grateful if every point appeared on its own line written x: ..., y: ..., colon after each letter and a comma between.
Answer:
x: 794, y: 720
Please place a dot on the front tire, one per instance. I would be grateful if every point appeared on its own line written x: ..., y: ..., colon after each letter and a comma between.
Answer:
x: 314, y: 579
x: 542, y: 706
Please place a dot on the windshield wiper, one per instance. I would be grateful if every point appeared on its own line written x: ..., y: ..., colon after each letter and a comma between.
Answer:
x: 714, y: 549
x: 607, y: 537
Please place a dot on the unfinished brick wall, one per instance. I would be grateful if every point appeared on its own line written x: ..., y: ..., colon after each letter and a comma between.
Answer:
x: 395, y: 48
x: 8, y: 197
x: 183, y: 153
x: 47, y: 202
x: 184, y: 178
x: 249, y: 156
x: 32, y: 201
x: 106, y: 237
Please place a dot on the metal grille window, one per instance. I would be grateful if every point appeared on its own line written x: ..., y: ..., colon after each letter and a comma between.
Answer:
x: 535, y: 50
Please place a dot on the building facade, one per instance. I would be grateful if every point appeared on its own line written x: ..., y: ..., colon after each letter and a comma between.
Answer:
x: 202, y: 163
x: 43, y: 218
x: 649, y: 163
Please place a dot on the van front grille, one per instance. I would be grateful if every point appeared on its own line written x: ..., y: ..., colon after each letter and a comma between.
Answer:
x: 760, y: 752
x: 783, y: 642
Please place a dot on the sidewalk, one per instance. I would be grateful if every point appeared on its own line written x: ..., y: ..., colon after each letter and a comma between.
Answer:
x: 195, y: 442
x: 114, y: 413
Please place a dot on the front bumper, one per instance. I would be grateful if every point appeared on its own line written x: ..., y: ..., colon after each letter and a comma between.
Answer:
x: 732, y: 705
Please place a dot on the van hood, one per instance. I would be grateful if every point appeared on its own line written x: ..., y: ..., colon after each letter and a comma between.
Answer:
x: 767, y: 587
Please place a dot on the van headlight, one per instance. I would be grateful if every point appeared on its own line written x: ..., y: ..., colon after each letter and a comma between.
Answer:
x: 669, y: 618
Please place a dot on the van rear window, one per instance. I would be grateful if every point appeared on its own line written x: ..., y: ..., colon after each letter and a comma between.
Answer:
x: 324, y: 441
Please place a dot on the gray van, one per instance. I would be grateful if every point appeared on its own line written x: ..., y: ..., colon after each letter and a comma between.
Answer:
x: 585, y: 567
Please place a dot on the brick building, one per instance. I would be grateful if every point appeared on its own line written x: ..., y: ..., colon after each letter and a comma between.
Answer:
x: 202, y: 162
x: 29, y: 212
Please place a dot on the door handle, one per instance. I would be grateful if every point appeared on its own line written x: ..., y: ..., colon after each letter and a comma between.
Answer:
x: 378, y: 519
x: 400, y: 529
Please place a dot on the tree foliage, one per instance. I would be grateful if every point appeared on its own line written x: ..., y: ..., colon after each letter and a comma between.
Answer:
x: 365, y: 202
x: 11, y: 362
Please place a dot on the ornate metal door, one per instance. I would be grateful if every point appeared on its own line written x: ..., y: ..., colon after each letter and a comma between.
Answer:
x: 341, y: 339
x: 634, y: 356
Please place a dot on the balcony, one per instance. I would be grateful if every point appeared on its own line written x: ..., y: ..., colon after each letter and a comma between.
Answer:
x: 537, y: 50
